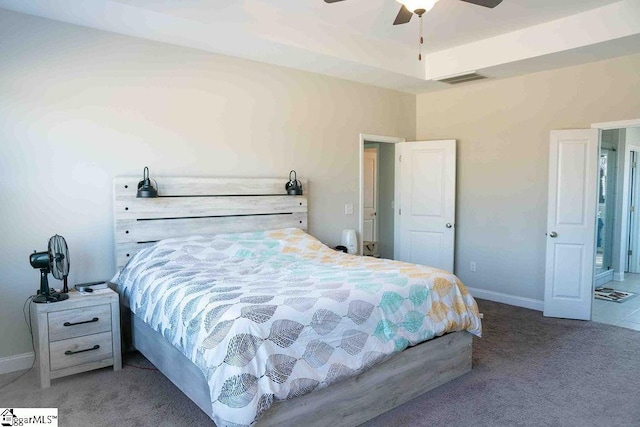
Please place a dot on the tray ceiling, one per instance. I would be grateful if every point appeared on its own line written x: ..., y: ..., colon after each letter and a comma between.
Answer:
x: 355, y: 40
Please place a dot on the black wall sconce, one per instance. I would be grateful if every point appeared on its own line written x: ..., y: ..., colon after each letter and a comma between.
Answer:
x: 145, y: 187
x: 293, y: 187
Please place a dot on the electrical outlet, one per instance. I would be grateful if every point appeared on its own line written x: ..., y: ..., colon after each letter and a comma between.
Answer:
x: 473, y: 266
x: 348, y: 209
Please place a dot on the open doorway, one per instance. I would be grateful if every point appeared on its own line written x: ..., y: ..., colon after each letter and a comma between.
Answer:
x: 378, y: 189
x: 617, y: 255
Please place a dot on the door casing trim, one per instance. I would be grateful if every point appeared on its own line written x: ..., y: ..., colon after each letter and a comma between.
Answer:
x: 616, y: 125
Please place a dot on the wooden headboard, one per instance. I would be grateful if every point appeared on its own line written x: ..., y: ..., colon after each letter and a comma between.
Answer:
x: 186, y: 206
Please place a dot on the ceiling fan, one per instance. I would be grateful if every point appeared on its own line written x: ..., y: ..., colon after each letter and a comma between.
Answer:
x: 420, y: 7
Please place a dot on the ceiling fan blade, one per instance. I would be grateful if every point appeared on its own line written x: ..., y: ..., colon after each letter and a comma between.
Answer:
x: 403, y: 17
x: 332, y: 1
x: 485, y: 3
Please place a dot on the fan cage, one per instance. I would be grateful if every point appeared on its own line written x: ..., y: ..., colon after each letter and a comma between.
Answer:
x: 58, y: 257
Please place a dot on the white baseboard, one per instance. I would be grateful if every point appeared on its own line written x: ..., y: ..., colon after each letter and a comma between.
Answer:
x: 604, y: 277
x: 16, y: 362
x: 530, y: 303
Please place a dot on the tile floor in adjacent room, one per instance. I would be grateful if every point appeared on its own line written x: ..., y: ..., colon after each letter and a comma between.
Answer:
x: 626, y: 314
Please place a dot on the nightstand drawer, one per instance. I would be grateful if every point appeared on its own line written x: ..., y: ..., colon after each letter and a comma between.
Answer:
x: 78, y: 322
x: 77, y: 351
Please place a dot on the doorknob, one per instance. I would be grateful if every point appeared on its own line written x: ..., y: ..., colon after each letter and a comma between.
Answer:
x: 448, y: 225
x: 553, y: 234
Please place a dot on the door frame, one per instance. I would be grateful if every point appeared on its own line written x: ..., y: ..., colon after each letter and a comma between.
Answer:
x: 396, y: 189
x: 633, y: 228
x: 616, y: 125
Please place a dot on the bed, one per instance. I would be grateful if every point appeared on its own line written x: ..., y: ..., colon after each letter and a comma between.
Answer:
x: 207, y: 366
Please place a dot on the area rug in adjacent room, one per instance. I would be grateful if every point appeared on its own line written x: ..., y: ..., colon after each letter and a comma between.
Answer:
x: 610, y: 294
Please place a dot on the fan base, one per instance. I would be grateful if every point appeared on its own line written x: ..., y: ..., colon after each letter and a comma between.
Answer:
x: 52, y: 297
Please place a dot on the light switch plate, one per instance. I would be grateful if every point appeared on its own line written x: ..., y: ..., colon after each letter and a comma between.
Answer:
x: 348, y: 209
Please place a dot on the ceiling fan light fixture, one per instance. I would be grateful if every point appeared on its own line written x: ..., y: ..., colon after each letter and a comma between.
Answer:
x: 414, y: 6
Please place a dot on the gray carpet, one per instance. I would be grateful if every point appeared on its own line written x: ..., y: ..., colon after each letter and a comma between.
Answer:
x: 528, y: 370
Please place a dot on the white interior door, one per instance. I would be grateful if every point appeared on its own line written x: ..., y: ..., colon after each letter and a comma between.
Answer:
x: 428, y: 203
x: 571, y: 223
x: 370, y: 200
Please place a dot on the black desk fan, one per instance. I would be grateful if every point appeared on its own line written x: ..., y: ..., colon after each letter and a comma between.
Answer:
x: 55, y: 261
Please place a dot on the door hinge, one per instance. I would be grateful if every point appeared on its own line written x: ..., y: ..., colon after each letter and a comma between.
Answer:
x: 400, y: 211
x: 633, y: 164
x: 400, y: 159
x: 630, y: 252
x: 632, y: 209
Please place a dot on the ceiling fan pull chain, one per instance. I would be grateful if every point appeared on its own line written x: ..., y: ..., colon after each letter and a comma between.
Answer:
x: 421, y: 40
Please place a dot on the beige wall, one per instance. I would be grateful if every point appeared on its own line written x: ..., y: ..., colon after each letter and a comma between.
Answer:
x: 80, y: 106
x: 502, y: 129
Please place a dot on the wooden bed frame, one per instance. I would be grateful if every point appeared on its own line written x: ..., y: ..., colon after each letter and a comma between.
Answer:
x: 219, y: 205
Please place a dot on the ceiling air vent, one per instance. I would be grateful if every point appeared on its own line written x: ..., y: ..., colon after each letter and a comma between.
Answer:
x: 461, y: 78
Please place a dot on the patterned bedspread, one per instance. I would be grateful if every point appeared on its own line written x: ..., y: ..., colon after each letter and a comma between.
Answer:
x: 273, y: 315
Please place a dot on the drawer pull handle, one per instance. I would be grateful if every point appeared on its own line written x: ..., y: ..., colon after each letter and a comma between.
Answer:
x: 95, y: 319
x: 69, y: 352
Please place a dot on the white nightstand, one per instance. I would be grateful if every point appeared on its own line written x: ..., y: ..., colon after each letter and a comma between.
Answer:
x: 76, y: 335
